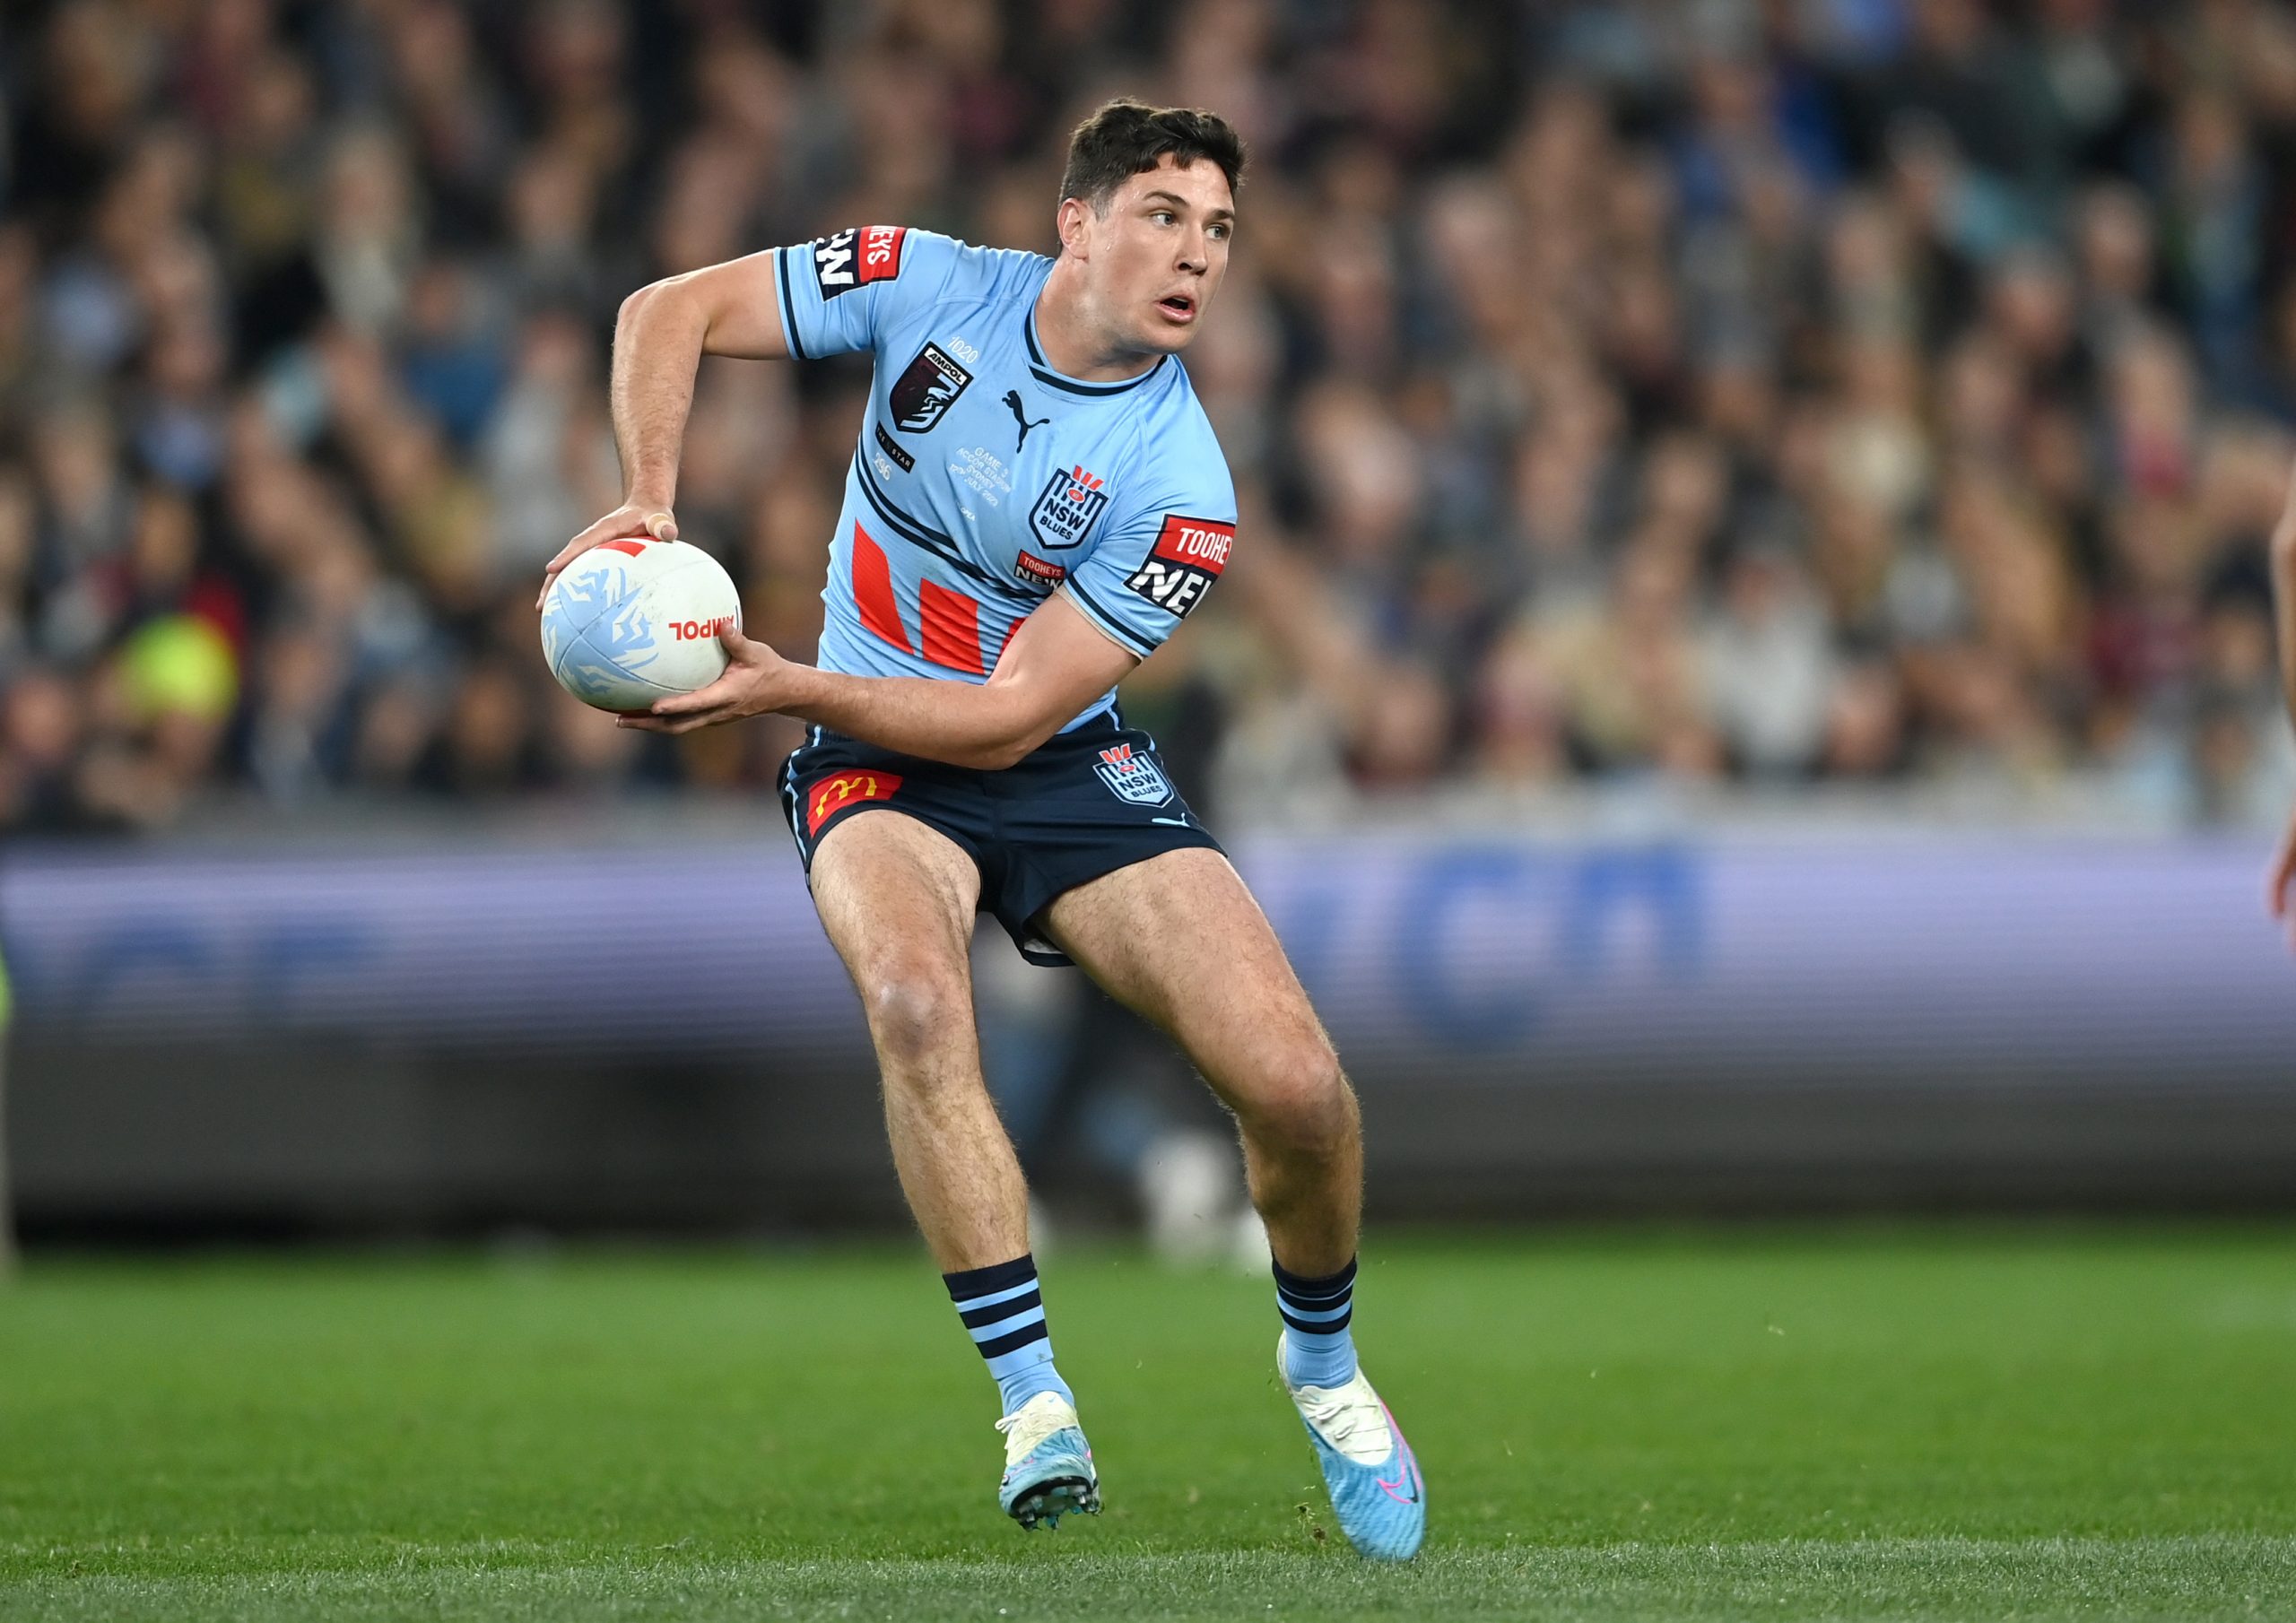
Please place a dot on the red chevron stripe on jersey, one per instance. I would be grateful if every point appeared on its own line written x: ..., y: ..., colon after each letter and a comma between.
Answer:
x: 873, y: 589
x: 951, y: 628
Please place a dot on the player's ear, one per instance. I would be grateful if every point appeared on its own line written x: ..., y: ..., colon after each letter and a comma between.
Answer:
x: 1074, y: 222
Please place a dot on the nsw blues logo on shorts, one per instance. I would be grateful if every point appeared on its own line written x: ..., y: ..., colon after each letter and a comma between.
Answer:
x: 1064, y: 515
x: 1135, y: 779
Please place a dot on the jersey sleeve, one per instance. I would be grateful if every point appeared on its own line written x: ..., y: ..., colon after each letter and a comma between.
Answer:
x: 1151, y: 570
x: 839, y: 293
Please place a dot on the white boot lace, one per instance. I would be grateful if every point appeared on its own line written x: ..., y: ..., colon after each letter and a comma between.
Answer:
x: 1349, y: 1419
x: 1032, y: 1423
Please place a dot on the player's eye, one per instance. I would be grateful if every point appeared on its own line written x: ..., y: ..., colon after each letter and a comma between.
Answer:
x: 1220, y: 232
x: 1162, y: 216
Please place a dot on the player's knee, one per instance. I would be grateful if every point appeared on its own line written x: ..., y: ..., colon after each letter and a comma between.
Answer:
x: 1303, y: 1103
x: 914, y: 1011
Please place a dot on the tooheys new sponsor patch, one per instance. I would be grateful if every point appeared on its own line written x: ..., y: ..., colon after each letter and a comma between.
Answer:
x: 1043, y: 571
x: 926, y: 389
x: 1188, y: 557
x: 856, y: 256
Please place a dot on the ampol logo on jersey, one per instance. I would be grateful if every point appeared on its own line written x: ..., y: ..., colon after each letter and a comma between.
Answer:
x: 923, y: 393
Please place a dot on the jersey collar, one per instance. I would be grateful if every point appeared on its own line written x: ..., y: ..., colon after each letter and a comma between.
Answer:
x: 1041, y: 368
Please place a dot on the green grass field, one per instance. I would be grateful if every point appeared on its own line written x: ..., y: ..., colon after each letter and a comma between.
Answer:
x: 1901, y: 1425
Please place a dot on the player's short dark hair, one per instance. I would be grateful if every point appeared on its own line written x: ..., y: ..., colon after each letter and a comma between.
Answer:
x: 1125, y: 137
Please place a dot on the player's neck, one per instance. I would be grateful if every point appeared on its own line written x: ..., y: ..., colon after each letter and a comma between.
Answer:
x: 1074, y: 345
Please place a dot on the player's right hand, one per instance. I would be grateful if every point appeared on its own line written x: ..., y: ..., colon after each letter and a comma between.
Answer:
x: 631, y: 518
x: 2278, y: 880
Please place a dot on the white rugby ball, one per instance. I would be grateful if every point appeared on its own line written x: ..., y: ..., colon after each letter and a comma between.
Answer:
x: 630, y: 622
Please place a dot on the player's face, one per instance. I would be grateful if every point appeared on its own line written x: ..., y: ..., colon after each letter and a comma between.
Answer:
x: 1156, y: 255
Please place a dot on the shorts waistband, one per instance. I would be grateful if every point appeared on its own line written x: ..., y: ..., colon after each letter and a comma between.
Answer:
x: 1096, y: 731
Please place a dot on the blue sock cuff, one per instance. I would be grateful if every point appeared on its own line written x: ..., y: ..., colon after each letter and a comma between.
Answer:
x: 1308, y: 1291
x: 1002, y: 1309
x: 1318, y: 1350
x: 998, y: 1276
x: 1315, y: 1306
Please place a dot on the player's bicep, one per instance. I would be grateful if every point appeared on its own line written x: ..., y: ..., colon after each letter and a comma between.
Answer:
x: 1055, y: 665
x: 739, y: 304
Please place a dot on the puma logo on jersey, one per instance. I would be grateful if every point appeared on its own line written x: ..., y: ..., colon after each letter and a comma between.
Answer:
x: 1021, y: 416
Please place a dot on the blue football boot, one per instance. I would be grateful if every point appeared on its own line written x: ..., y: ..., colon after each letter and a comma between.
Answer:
x: 1047, y: 1464
x: 1377, y: 1493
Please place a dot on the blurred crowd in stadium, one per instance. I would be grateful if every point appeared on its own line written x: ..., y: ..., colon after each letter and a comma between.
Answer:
x: 1882, y: 391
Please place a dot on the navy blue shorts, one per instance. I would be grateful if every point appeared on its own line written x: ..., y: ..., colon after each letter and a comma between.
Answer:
x: 1091, y: 800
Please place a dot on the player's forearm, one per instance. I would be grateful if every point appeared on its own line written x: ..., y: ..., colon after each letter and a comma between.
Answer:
x: 2284, y: 608
x: 657, y: 341
x: 983, y: 726
x: 2282, y: 570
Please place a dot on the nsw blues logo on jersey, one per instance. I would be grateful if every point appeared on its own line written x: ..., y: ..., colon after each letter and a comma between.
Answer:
x: 923, y: 395
x: 1065, y: 513
x: 1135, y: 779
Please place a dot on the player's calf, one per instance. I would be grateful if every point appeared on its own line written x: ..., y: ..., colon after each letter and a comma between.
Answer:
x: 1303, y: 1151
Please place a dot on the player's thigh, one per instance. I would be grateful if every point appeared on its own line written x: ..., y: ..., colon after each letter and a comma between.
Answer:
x: 897, y: 899
x: 1179, y: 939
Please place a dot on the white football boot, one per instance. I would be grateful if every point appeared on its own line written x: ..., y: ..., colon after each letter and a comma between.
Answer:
x: 1377, y: 1493
x: 1047, y: 1464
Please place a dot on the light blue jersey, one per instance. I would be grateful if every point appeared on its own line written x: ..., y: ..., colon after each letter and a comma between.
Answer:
x: 985, y: 481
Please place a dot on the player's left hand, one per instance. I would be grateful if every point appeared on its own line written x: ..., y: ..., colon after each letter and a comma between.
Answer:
x: 751, y: 686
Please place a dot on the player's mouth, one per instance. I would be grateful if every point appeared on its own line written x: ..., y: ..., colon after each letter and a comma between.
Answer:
x: 1178, y: 307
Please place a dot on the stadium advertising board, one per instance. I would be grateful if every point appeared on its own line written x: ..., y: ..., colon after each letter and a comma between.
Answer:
x: 1493, y: 960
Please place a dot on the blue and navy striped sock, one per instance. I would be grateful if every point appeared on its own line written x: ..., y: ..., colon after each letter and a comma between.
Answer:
x: 1317, y: 1350
x: 1003, y: 1312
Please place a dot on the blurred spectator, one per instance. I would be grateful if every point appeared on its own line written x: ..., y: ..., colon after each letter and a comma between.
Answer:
x: 1797, y: 392
x: 1769, y: 666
